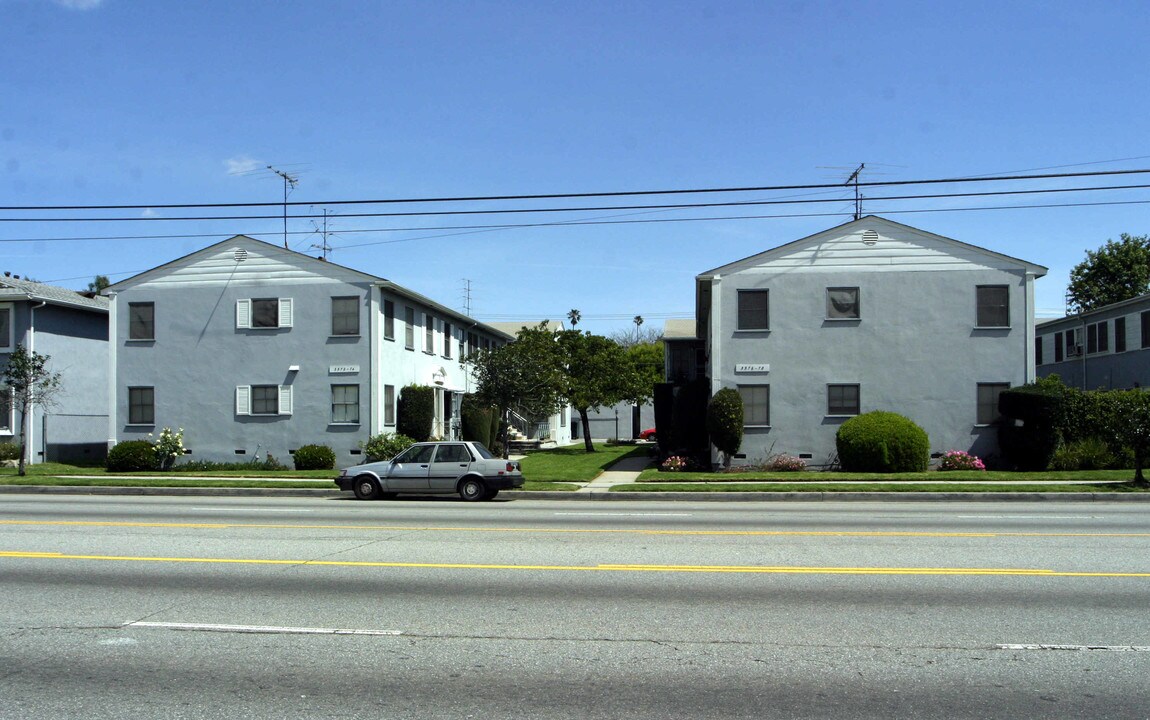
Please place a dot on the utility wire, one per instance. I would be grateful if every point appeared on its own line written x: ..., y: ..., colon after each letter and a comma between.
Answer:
x: 520, y: 211
x: 553, y: 196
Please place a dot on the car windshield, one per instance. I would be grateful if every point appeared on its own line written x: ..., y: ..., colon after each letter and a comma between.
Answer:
x: 483, y: 452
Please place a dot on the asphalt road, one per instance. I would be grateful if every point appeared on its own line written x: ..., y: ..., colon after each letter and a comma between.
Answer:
x: 116, y: 607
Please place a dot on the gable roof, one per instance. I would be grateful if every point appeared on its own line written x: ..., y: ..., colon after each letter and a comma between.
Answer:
x: 877, y: 237
x: 13, y: 288
x: 241, y: 246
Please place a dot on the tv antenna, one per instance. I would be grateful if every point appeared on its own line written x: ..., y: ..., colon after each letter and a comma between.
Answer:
x: 854, y: 178
x: 324, y: 233
x: 289, y: 181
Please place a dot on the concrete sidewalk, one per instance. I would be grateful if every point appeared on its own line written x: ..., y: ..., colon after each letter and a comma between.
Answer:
x: 621, y: 473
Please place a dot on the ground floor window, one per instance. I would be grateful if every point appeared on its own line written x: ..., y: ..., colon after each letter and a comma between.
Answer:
x: 389, y: 405
x: 345, y: 404
x: 141, y: 406
x: 842, y: 399
x: 756, y: 405
x: 988, y: 401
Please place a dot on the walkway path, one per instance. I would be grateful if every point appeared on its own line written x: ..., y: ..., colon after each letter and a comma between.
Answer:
x: 621, y: 473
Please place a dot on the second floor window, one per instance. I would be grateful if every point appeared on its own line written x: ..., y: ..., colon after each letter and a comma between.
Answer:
x: 993, y: 306
x: 447, y: 339
x: 754, y: 310
x: 264, y: 313
x: 428, y: 334
x: 409, y: 329
x: 345, y: 316
x: 843, y: 303
x: 388, y: 320
x: 6, y: 328
x: 142, y: 321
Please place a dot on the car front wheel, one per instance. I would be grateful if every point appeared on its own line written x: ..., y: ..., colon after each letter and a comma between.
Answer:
x: 472, y: 490
x: 366, y: 488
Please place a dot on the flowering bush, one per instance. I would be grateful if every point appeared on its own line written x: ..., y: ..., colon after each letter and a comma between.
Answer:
x: 959, y: 460
x: 674, y: 464
x: 168, y: 447
x: 787, y: 463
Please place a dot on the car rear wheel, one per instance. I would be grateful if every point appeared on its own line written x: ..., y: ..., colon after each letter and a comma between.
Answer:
x: 366, y: 488
x: 472, y: 490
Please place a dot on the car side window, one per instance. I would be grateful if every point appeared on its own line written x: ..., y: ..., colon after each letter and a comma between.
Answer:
x: 452, y: 453
x: 418, y: 454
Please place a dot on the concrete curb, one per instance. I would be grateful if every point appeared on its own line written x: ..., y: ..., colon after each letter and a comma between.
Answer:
x: 603, y: 495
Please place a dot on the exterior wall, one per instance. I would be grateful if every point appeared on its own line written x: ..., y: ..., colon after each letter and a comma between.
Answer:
x: 200, y: 356
x: 616, y: 422
x: 1100, y: 369
x: 915, y: 350
x: 71, y: 428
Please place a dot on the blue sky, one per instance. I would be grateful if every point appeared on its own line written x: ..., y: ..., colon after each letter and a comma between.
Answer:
x: 129, y: 102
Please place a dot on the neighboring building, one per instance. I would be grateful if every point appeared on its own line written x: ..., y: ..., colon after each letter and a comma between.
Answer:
x: 686, y: 357
x: 870, y: 315
x: 71, y: 328
x: 1103, y: 349
x: 253, y: 350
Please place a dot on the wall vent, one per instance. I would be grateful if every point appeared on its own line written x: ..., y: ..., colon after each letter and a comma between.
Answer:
x: 870, y: 237
x: 241, y: 255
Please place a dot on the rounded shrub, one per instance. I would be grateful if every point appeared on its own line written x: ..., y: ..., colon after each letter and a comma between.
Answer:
x: 415, y: 411
x: 314, y: 457
x: 9, y: 451
x: 725, y: 422
x: 131, y: 456
x: 882, y: 442
x: 385, y: 446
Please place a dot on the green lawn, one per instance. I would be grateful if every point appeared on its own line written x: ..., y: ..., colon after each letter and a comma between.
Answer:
x: 574, y: 464
x: 814, y: 476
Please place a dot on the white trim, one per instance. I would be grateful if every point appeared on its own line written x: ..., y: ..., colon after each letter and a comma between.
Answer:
x: 285, y: 400
x: 244, y: 313
x: 243, y: 399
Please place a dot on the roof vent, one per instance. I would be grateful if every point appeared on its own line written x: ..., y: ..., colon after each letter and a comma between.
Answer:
x: 241, y: 255
x: 870, y: 237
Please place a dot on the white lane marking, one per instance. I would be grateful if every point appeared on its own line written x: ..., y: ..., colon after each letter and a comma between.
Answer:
x: 1029, y: 517
x: 264, y: 629
x: 619, y: 514
x: 1104, y: 648
x: 254, y: 510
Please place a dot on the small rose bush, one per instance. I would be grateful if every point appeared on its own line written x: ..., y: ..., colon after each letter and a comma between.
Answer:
x: 674, y: 464
x: 787, y: 463
x: 168, y: 447
x: 959, y: 460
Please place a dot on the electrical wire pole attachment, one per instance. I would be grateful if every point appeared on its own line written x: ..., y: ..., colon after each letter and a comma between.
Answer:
x: 854, y: 178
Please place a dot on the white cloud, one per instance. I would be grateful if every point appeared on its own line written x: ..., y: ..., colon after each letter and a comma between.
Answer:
x: 79, y: 4
x: 242, y: 164
x: 149, y: 213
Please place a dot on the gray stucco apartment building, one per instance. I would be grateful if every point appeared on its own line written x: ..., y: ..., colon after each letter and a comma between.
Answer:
x: 869, y: 315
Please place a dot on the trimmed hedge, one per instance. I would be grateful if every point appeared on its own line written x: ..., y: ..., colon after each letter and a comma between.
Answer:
x: 314, y: 457
x: 415, y: 412
x: 725, y: 422
x: 882, y: 442
x: 131, y: 456
x: 477, y: 421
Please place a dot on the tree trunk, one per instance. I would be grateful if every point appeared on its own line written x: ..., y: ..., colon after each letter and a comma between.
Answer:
x: 1139, y: 478
x: 586, y: 423
x: 23, y: 453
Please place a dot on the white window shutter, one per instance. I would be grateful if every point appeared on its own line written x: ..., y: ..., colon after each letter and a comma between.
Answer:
x: 285, y: 399
x: 285, y: 309
x: 243, y: 313
x: 243, y: 400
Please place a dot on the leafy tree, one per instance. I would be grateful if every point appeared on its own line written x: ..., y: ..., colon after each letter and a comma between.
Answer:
x: 1115, y: 272
x: 99, y: 283
x: 641, y: 335
x: 30, y: 381
x: 525, y: 374
x: 647, y: 360
x: 596, y: 371
x: 725, y: 422
x: 1127, y: 418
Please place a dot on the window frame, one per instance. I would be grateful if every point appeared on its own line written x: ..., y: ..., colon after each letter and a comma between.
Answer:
x: 857, y: 304
x: 246, y: 310
x: 245, y: 400
x: 980, y: 418
x: 135, y: 324
x: 986, y: 314
x: 1059, y: 349
x: 388, y: 319
x: 741, y: 311
x: 389, y: 405
x: 747, y: 392
x: 7, y: 327
x: 1120, y: 334
x: 7, y: 410
x: 409, y: 327
x: 428, y: 333
x: 341, y: 316
x: 841, y: 409
x: 447, y: 339
x: 137, y: 394
x: 345, y: 404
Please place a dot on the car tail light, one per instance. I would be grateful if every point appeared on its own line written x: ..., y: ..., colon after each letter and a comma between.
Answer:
x: 510, y: 467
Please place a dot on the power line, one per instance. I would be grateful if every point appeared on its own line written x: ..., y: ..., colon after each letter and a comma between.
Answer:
x: 521, y: 211
x: 555, y: 196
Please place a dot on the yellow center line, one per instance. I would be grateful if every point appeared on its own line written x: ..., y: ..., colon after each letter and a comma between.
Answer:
x: 616, y: 531
x: 752, y: 569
